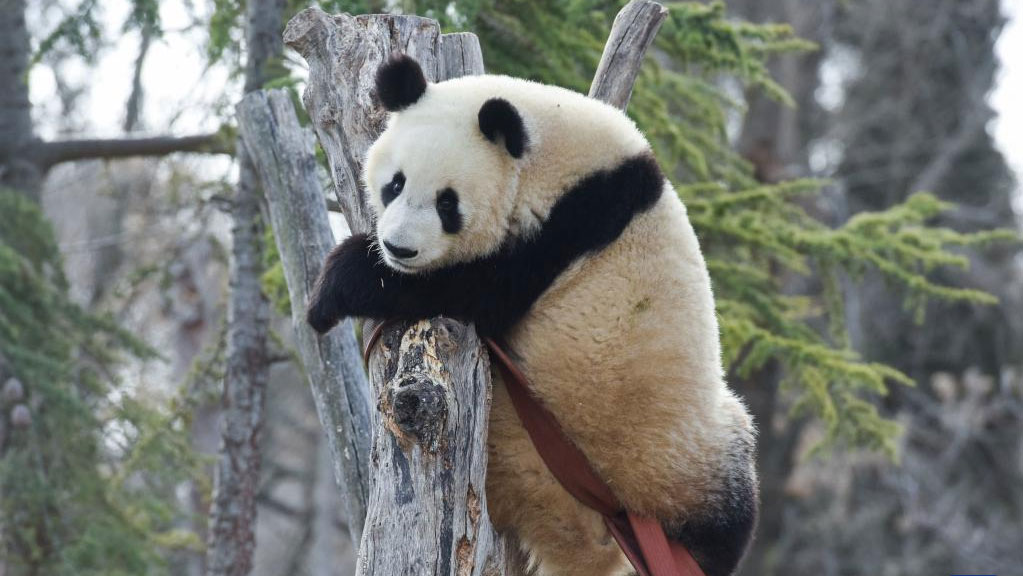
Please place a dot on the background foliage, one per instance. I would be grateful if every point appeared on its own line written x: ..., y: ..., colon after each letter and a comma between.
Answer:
x: 88, y: 484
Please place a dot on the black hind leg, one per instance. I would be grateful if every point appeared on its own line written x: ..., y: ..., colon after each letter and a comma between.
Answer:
x: 718, y: 538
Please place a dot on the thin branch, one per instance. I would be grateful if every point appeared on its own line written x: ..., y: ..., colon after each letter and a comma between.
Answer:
x: 633, y: 32
x: 134, y: 106
x: 49, y: 154
x: 271, y: 503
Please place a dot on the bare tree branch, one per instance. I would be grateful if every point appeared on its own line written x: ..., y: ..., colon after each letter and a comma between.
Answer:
x: 970, y: 127
x: 49, y: 154
x: 134, y: 106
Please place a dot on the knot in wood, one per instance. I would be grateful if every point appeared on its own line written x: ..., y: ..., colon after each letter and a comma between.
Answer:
x: 419, y: 407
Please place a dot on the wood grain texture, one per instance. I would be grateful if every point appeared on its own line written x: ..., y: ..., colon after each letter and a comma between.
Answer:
x: 631, y: 35
x: 283, y: 153
x: 343, y: 53
x: 427, y: 509
x: 427, y: 512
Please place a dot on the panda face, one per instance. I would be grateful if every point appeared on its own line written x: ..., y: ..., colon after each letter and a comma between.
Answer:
x: 442, y: 180
x: 442, y: 194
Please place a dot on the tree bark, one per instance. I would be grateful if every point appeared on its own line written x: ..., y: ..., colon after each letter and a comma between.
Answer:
x: 283, y: 152
x: 232, y: 537
x: 15, y: 109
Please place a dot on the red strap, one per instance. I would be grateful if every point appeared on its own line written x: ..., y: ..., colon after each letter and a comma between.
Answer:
x: 641, y: 538
x: 566, y: 462
x: 371, y: 340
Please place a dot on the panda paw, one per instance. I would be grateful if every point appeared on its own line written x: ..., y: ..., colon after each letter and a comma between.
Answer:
x: 322, y: 315
x: 327, y: 302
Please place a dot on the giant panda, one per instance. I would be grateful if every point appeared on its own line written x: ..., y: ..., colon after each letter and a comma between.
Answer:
x: 541, y: 216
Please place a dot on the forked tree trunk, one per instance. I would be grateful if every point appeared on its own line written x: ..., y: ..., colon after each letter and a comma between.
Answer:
x: 426, y: 511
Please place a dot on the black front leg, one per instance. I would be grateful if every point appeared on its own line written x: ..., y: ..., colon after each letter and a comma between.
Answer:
x: 494, y: 291
x: 327, y: 304
x: 356, y: 282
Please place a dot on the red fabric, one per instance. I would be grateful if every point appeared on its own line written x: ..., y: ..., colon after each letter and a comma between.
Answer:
x: 641, y: 538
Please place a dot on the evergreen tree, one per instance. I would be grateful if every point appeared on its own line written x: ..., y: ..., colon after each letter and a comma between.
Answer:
x: 88, y: 467
x: 87, y: 470
x: 918, y: 122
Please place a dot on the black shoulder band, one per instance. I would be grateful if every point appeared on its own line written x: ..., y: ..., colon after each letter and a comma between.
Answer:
x: 497, y: 291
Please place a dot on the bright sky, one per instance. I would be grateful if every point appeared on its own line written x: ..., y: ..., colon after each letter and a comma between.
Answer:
x: 1007, y: 97
x: 181, y: 95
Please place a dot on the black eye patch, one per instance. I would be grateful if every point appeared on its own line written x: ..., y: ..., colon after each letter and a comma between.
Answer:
x: 392, y: 189
x: 447, y: 209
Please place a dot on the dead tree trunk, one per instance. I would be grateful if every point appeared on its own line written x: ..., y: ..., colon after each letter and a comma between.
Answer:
x: 283, y: 154
x: 426, y: 512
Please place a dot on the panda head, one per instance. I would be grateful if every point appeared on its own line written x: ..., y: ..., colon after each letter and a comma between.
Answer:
x: 442, y: 177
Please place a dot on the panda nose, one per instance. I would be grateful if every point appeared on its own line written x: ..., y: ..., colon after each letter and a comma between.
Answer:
x: 398, y: 251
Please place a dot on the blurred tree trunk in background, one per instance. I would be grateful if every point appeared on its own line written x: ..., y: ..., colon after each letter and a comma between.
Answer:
x: 914, y: 117
x: 15, y: 109
x: 775, y: 139
x: 236, y: 484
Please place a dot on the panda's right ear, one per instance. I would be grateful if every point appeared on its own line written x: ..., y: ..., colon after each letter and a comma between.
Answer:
x: 400, y: 82
x: 499, y: 118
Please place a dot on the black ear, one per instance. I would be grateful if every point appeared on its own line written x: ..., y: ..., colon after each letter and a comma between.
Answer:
x: 400, y: 82
x: 498, y: 116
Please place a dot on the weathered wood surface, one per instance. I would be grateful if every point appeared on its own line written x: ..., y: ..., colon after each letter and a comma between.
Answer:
x: 631, y: 35
x: 427, y: 513
x: 283, y: 153
x: 344, y: 53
